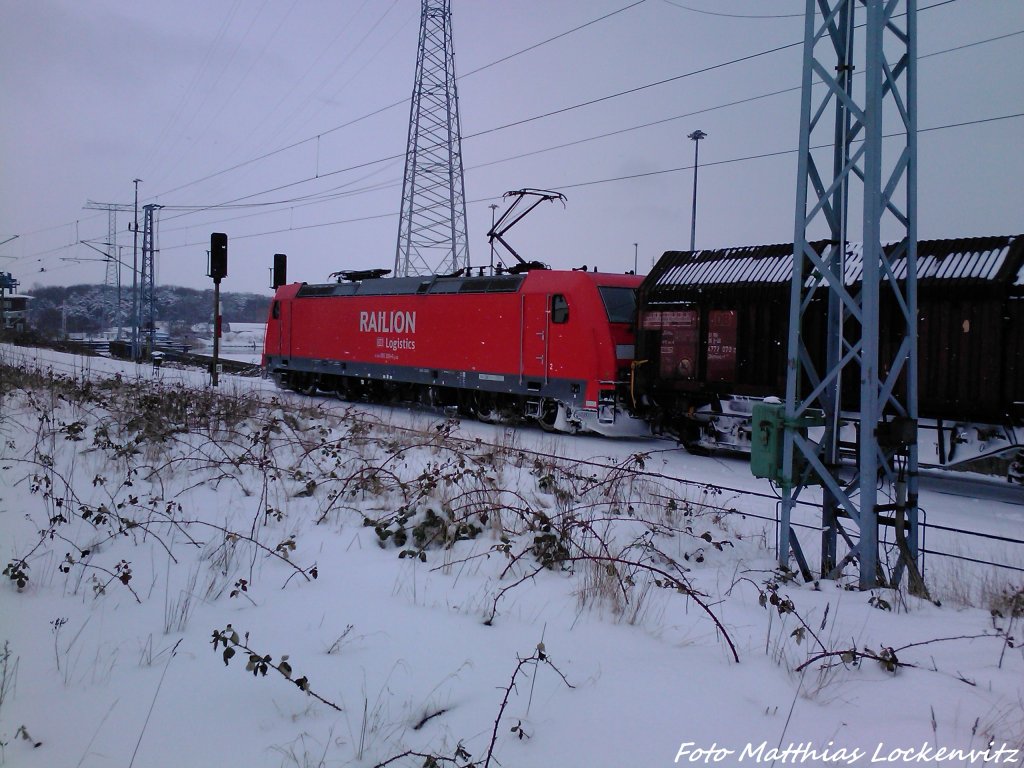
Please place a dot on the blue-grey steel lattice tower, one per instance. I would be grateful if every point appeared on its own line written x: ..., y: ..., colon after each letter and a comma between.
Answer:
x: 432, y: 235
x: 882, y: 378
x: 147, y: 278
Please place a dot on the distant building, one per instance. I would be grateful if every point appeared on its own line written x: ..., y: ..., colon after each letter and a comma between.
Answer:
x: 15, y: 312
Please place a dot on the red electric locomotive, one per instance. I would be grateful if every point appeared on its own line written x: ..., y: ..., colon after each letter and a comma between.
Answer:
x: 555, y: 347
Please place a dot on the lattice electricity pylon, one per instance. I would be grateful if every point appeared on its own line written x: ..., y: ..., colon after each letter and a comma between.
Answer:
x: 432, y: 235
x: 147, y: 277
x: 112, y: 282
x: 880, y: 373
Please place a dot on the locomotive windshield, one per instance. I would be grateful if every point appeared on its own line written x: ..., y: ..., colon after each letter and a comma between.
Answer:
x: 619, y: 303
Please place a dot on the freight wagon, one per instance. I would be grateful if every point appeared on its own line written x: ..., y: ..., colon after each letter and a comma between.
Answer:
x: 712, y: 335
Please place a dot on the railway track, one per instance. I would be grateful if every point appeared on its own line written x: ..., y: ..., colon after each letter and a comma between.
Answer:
x: 725, y: 485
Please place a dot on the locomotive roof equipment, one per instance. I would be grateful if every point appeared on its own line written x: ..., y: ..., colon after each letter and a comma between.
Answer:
x: 510, y: 218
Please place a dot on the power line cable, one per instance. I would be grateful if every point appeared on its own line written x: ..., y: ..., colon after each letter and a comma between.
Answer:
x: 381, y: 185
x: 194, y: 82
x: 272, y: 112
x: 737, y: 15
x: 593, y: 182
x: 350, y: 51
x: 562, y: 110
x: 657, y: 83
x: 582, y: 104
x: 576, y: 185
x: 324, y: 195
x: 249, y: 70
x: 491, y: 130
x: 170, y: 154
x: 380, y: 49
x: 777, y: 153
x: 542, y: 43
x: 387, y: 107
x: 586, y: 139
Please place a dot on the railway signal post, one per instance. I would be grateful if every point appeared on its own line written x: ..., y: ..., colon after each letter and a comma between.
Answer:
x: 218, y: 271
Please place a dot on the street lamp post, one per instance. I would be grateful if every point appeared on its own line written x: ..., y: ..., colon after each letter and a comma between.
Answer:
x: 135, y: 277
x: 696, y: 136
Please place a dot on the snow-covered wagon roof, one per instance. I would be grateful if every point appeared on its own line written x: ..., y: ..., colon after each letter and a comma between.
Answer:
x: 975, y: 260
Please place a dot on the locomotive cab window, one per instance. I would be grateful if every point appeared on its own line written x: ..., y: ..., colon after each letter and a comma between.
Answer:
x: 275, y: 311
x: 619, y: 303
x: 559, y: 309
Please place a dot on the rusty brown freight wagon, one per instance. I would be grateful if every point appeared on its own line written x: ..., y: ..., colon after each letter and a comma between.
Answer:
x: 712, y: 330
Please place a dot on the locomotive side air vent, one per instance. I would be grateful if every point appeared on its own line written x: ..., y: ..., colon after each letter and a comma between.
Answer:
x: 497, y: 284
x: 500, y: 284
x: 316, y: 290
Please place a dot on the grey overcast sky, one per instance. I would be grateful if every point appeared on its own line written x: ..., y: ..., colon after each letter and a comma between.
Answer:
x: 176, y: 93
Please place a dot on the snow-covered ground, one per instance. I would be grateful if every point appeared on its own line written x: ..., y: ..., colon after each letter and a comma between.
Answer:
x: 413, y: 569
x: 242, y: 342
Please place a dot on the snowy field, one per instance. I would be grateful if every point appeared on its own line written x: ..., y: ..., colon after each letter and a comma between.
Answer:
x: 243, y: 342
x: 246, y: 577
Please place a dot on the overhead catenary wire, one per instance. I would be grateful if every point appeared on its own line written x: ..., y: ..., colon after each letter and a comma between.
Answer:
x: 734, y: 15
x: 564, y: 186
x: 400, y: 102
x: 727, y: 161
x: 574, y: 143
x: 317, y: 197
x: 564, y: 145
x: 593, y: 182
x: 486, y: 131
x: 572, y: 107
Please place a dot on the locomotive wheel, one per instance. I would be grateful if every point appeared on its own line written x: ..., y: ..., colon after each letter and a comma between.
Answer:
x: 484, y: 407
x: 341, y: 389
x: 300, y: 382
x: 429, y: 397
x: 548, y: 416
x: 355, y: 389
x: 311, y: 384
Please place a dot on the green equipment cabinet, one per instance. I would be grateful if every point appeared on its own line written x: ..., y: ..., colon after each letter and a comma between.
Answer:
x: 768, y: 425
x: 766, y: 430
